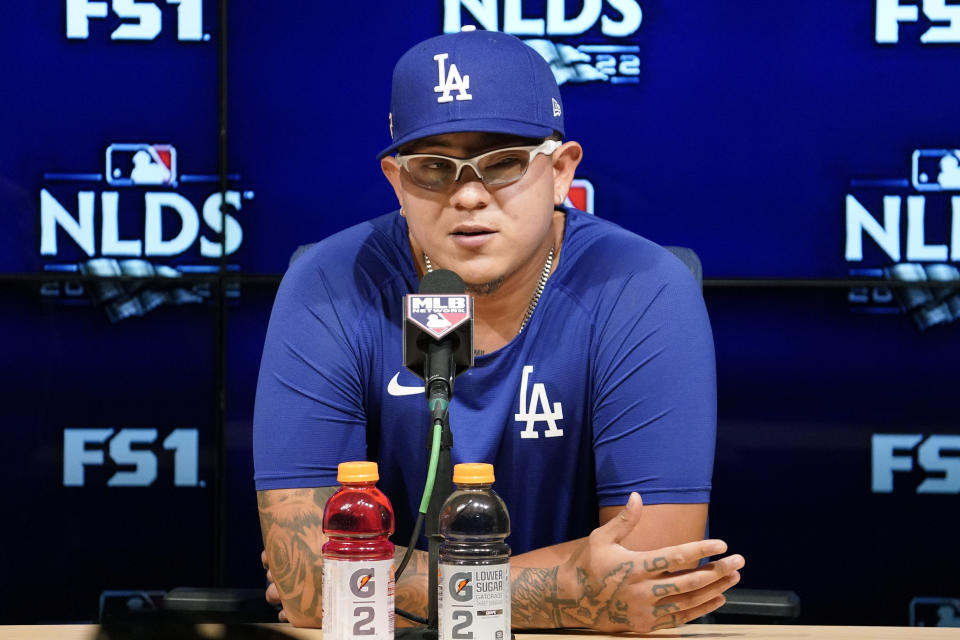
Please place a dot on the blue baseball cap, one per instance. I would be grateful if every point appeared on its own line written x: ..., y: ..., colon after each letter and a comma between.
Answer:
x: 473, y: 81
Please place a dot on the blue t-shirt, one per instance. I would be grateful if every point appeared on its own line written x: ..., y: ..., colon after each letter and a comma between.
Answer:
x: 609, y: 389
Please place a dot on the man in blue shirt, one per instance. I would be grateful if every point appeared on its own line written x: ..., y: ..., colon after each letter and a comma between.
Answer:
x: 593, y: 385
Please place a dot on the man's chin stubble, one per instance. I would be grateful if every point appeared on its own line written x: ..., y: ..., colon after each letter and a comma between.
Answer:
x: 484, y: 289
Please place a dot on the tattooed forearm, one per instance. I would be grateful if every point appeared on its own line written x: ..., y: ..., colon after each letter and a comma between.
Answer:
x: 535, y: 603
x: 539, y: 602
x: 597, y: 604
x: 411, y: 588
x: 291, y: 521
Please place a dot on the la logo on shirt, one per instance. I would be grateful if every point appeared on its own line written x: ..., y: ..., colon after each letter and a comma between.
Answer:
x: 537, y: 408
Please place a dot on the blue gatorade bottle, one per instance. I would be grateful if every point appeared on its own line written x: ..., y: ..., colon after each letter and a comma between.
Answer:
x: 358, y: 589
x: 473, y: 598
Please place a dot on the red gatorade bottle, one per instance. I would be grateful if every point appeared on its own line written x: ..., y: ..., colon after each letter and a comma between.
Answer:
x: 358, y: 557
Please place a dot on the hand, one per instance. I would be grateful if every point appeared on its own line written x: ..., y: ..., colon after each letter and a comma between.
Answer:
x: 607, y: 587
x: 272, y: 595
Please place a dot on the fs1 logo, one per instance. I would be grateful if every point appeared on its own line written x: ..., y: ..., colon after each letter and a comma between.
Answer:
x: 161, y: 222
x: 616, y: 61
x: 937, y: 455
x: 147, y: 15
x: 891, y: 13
x: 915, y: 225
x: 83, y: 448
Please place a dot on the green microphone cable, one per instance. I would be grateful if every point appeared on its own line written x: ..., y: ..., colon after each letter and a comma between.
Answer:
x: 424, y: 502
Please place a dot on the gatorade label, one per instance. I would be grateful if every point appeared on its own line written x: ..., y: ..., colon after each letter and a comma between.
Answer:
x: 358, y: 599
x: 474, y: 601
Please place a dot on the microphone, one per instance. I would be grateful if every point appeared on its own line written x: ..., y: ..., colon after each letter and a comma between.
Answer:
x: 438, y: 335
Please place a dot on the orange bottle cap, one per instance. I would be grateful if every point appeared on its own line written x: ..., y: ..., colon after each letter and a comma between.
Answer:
x: 361, y: 471
x: 473, y: 473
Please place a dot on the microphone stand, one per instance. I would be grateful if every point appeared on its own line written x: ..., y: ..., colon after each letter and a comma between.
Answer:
x: 442, y: 360
x: 442, y: 488
x: 439, y: 391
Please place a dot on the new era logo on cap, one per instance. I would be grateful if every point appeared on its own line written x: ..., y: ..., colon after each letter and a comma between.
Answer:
x: 483, y: 81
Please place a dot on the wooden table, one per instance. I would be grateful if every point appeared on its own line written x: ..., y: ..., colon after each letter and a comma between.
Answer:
x: 693, y: 631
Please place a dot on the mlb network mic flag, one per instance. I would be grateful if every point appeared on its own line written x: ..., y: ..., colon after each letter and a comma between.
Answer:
x: 437, y: 316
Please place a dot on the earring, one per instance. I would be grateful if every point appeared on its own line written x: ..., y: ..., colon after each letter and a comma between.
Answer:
x: 402, y: 214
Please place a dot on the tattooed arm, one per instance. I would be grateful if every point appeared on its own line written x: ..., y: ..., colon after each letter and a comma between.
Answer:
x: 599, y: 583
x: 291, y: 521
x: 411, y: 589
x: 662, y: 525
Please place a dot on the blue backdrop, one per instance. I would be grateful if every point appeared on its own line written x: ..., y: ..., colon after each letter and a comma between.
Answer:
x: 793, y: 146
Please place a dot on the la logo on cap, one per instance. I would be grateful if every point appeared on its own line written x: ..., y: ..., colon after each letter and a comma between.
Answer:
x: 452, y: 82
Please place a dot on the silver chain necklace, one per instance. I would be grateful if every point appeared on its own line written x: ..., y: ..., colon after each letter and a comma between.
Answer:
x: 547, y: 266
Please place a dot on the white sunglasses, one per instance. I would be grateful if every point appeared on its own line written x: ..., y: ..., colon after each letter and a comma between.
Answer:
x: 498, y: 167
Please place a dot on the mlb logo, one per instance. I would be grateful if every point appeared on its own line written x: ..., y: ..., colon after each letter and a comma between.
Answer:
x: 438, y: 315
x: 122, y: 604
x: 580, y: 195
x: 936, y: 170
x: 935, y: 612
x: 135, y: 164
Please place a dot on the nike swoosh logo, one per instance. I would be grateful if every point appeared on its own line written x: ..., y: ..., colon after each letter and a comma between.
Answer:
x: 397, y: 389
